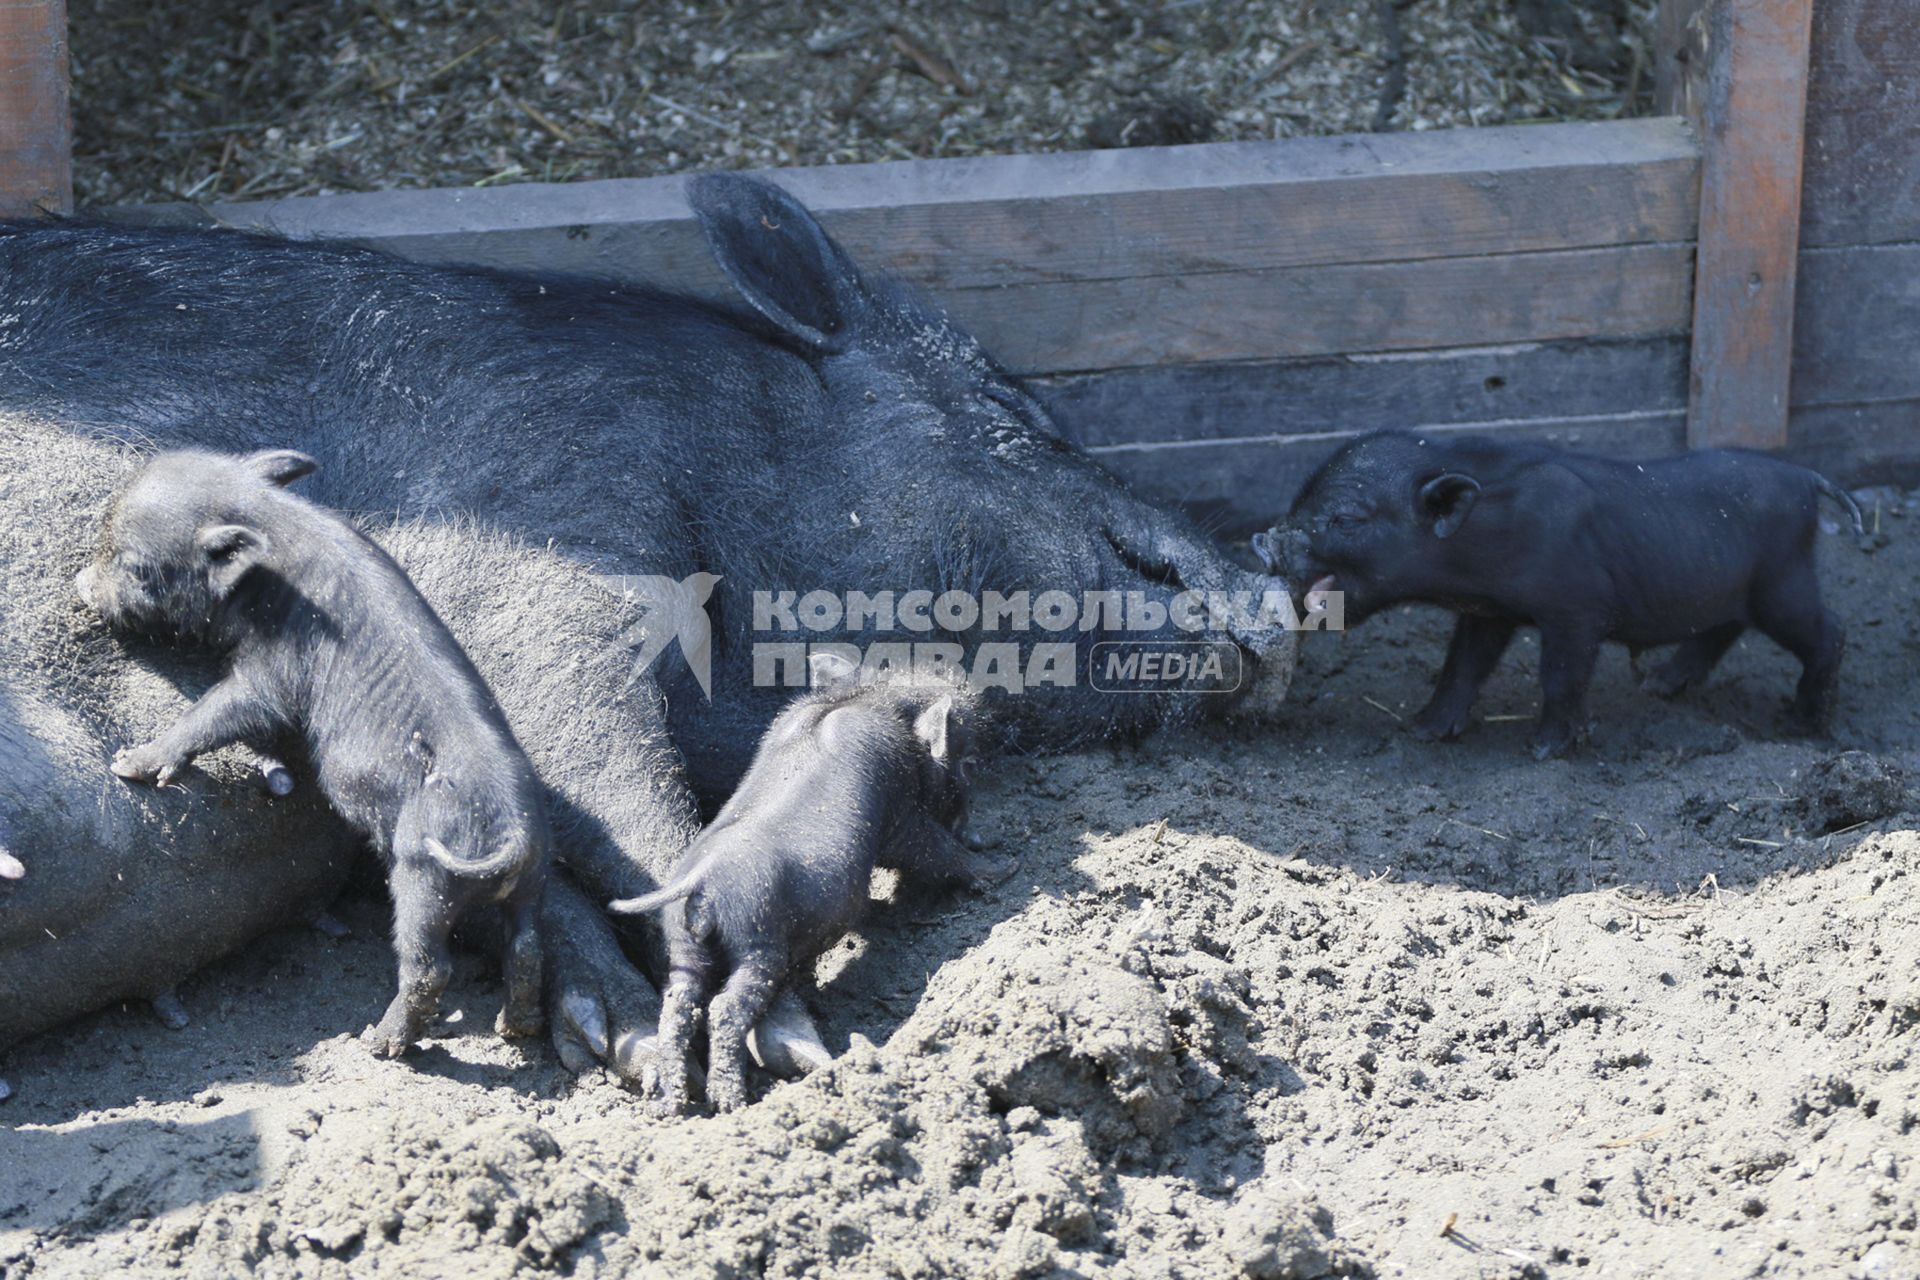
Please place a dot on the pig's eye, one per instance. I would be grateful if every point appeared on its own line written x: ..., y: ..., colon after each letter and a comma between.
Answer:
x: 1347, y: 520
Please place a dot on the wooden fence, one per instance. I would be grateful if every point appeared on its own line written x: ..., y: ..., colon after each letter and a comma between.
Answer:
x: 1211, y: 320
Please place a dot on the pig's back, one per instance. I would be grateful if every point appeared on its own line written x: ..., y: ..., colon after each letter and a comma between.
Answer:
x: 799, y: 838
x: 399, y: 673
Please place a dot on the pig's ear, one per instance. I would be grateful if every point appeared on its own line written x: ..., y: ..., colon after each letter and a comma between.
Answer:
x: 280, y: 466
x: 1446, y: 500
x: 778, y: 257
x: 825, y: 668
x: 231, y: 550
x: 933, y: 727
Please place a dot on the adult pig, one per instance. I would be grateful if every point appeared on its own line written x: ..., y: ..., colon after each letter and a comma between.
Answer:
x: 831, y: 434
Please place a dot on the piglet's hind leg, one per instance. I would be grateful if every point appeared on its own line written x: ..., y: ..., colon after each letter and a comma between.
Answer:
x: 1693, y: 661
x: 525, y: 958
x: 749, y: 990
x: 1787, y: 609
x: 679, y: 1012
x: 422, y: 923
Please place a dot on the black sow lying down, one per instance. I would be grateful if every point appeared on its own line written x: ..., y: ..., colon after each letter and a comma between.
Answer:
x: 857, y: 774
x: 1693, y: 549
x: 329, y: 640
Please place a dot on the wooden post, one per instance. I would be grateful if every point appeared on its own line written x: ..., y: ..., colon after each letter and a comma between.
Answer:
x: 36, y: 131
x: 1748, y: 86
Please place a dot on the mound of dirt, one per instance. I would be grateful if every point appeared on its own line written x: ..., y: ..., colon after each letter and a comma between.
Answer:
x: 1301, y: 1000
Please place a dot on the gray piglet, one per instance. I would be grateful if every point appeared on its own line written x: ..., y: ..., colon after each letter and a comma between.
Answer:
x: 328, y: 639
x: 861, y: 772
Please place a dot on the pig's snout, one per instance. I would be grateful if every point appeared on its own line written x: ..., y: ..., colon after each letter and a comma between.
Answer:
x: 1282, y: 551
x: 1288, y: 553
x: 86, y: 586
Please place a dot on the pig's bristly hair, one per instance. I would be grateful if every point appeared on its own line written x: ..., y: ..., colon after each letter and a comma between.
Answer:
x: 906, y: 693
x: 907, y: 690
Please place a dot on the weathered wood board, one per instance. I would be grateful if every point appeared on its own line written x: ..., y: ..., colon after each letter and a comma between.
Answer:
x: 1097, y: 260
x: 1234, y: 441
x: 1863, y: 124
x: 1077, y: 216
x: 1235, y: 487
x: 1754, y: 108
x: 1856, y: 360
x: 1318, y: 398
x: 36, y: 134
x: 1857, y: 331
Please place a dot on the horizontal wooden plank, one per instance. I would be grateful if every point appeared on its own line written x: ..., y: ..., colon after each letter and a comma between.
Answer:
x: 1863, y: 124
x: 1235, y: 487
x: 1364, y: 393
x: 1527, y: 297
x: 1859, y: 444
x: 1857, y: 325
x: 1077, y: 216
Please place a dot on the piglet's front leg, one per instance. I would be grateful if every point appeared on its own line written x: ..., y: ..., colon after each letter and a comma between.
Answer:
x: 930, y: 851
x: 226, y: 713
x: 1567, y: 656
x: 1471, y: 657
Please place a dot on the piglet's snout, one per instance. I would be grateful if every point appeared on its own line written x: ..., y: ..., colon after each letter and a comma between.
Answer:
x: 1316, y: 597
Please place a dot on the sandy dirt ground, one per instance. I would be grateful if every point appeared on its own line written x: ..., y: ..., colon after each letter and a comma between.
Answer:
x: 1286, y: 1000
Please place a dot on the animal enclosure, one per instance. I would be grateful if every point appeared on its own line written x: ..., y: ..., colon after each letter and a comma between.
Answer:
x: 1210, y: 319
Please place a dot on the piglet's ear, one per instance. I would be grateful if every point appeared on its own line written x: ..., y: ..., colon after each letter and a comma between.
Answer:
x: 1446, y: 500
x: 932, y: 727
x: 1267, y: 547
x: 231, y: 551
x: 826, y: 668
x: 280, y: 466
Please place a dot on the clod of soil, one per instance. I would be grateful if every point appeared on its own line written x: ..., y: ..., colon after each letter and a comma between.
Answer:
x: 1850, y: 789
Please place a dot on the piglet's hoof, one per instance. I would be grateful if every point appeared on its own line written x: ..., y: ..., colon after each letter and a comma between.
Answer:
x: 988, y: 872
x: 386, y: 1043
x: 140, y: 764
x: 1437, y: 726
x: 172, y: 1014
x: 726, y: 1095
x: 510, y: 1026
x: 1552, y: 743
x: 668, y: 1104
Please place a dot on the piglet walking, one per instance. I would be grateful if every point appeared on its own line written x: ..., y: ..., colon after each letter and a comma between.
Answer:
x: 329, y: 639
x: 1688, y: 551
x: 861, y: 772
